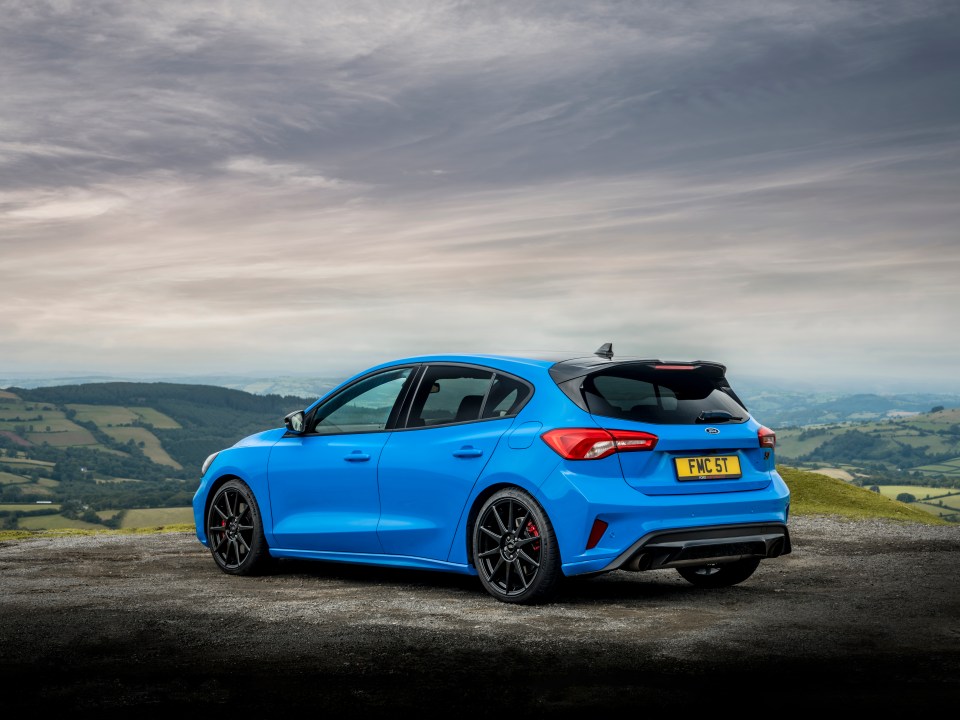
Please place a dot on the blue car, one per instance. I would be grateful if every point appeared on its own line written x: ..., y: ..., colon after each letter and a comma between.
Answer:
x: 521, y: 471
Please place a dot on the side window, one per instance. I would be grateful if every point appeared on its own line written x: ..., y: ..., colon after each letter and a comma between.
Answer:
x: 506, y: 397
x: 449, y: 394
x: 365, y: 406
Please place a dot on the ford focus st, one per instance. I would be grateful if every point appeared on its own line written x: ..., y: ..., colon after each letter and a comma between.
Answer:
x: 520, y: 471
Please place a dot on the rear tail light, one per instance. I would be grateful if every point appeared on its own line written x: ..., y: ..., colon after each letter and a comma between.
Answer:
x: 767, y: 437
x: 594, y: 443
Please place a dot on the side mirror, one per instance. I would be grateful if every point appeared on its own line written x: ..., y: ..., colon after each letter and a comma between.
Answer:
x: 294, y: 421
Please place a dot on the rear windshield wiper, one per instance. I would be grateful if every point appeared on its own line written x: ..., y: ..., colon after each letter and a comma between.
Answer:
x: 716, y: 416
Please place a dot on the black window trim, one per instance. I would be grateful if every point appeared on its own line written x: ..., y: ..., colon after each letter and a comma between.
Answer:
x: 415, y: 370
x: 408, y: 401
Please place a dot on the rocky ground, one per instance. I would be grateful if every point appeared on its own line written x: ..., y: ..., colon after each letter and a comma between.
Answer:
x: 861, y: 615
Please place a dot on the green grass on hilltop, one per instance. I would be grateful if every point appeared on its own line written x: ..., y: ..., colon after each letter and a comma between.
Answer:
x: 24, y: 534
x: 815, y: 494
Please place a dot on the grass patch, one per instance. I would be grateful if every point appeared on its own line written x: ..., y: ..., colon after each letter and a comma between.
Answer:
x: 920, y: 492
x: 815, y: 494
x: 56, y: 421
x: 103, y: 415
x: 7, y: 535
x: 13, y: 507
x: 134, y: 519
x: 54, y: 522
x: 25, y: 461
x: 11, y: 479
x: 66, y: 438
x: 151, y: 445
x: 157, y: 517
x: 156, y: 418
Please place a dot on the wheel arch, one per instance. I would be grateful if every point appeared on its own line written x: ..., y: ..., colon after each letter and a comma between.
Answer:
x: 485, y: 495
x: 212, y: 491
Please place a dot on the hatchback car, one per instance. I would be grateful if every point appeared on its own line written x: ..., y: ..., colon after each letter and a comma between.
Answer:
x: 518, y: 470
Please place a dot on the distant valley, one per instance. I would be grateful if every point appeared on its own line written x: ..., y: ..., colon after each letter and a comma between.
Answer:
x: 102, y: 454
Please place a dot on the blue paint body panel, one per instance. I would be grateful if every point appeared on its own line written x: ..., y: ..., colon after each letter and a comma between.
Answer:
x: 408, y: 496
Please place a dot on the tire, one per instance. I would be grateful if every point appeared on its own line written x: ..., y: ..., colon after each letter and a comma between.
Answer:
x: 717, y: 576
x: 515, y: 548
x: 235, y: 530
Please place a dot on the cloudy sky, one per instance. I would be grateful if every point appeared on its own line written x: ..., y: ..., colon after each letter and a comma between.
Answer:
x: 280, y: 187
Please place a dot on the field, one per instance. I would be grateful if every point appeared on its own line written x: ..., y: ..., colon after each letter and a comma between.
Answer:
x: 104, y: 415
x: 65, y: 438
x: 950, y: 468
x: 11, y: 507
x: 156, y: 418
x: 151, y: 445
x: 153, y: 517
x: 25, y: 463
x: 41, y: 423
x: 921, y: 492
x: 55, y: 522
x: 816, y: 494
x: 947, y: 508
x: 134, y: 518
x: 932, y: 433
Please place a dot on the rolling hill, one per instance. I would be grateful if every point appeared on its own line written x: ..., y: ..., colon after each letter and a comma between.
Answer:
x: 99, y: 449
x: 920, y: 449
x: 98, y: 452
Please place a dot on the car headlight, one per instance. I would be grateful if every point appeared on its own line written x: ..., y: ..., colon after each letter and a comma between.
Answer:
x: 207, y: 463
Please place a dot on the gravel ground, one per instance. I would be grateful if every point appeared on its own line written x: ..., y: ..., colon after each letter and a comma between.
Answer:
x: 862, y: 612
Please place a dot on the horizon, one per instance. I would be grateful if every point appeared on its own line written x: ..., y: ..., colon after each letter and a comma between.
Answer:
x: 753, y: 383
x: 248, y: 190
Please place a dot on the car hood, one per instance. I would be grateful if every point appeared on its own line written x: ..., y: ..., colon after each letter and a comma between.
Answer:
x: 267, y: 437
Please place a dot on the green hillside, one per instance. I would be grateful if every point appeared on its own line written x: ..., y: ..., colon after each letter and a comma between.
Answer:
x: 815, y: 494
x: 101, y: 455
x: 99, y: 449
x: 922, y: 449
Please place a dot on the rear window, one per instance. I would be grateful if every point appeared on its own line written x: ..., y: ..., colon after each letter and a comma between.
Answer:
x: 664, y: 397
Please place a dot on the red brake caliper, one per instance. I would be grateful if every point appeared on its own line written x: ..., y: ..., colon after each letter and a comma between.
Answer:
x: 532, y: 530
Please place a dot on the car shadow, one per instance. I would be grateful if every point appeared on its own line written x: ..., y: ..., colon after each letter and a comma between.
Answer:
x: 609, y: 587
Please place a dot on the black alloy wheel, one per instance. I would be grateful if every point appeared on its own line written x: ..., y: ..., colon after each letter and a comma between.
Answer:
x: 235, y: 530
x: 515, y: 548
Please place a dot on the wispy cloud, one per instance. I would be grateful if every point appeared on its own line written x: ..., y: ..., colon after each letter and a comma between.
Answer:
x: 229, y: 187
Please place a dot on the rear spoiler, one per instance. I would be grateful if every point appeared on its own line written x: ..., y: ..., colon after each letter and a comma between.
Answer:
x: 569, y: 374
x: 562, y: 372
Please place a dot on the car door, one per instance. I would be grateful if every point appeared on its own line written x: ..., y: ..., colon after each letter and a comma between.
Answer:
x: 428, y: 469
x: 323, y: 484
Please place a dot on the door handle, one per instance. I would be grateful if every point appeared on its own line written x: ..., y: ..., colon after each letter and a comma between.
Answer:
x: 468, y: 451
x: 356, y: 456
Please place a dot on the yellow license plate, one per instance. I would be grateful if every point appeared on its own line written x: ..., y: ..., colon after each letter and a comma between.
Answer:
x: 710, y: 467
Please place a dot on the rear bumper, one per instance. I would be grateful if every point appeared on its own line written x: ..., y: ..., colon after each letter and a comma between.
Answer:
x: 698, y: 546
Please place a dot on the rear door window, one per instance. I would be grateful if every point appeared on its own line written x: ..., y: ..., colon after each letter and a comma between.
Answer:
x: 449, y: 394
x: 664, y: 397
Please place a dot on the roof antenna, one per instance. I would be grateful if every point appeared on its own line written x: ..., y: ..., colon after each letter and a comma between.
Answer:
x: 605, y: 351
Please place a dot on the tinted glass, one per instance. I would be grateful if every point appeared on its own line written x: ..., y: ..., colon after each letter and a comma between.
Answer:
x: 506, y: 397
x: 666, y: 397
x: 364, y: 406
x: 449, y: 394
